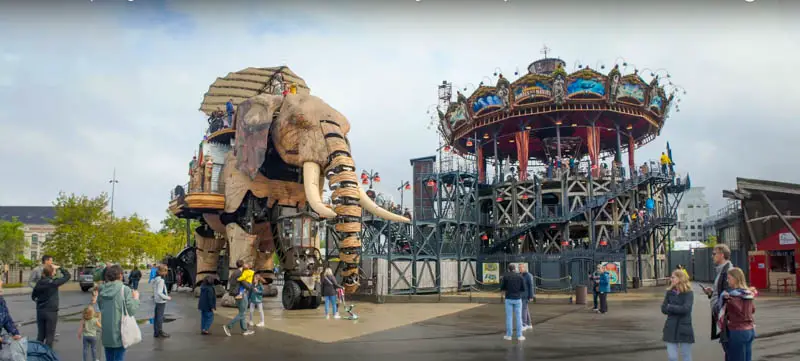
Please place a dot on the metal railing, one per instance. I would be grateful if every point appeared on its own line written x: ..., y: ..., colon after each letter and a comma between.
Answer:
x: 215, y: 186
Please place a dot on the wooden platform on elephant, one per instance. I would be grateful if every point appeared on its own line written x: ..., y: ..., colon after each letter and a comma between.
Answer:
x: 373, y: 318
x: 205, y: 201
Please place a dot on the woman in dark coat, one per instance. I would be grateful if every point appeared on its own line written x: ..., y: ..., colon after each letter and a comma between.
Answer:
x: 678, y: 330
x: 329, y: 287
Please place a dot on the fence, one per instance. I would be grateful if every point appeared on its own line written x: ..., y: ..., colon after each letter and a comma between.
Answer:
x: 700, y: 264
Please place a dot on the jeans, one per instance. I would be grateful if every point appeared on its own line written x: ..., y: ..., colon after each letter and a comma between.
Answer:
x: 135, y: 284
x: 684, y: 348
x: 46, y: 322
x: 90, y: 348
x: 240, y: 317
x: 330, y: 302
x: 230, y: 120
x: 115, y: 353
x: 526, y: 315
x: 740, y: 345
x: 158, y: 319
x: 206, y: 319
x: 513, y: 309
x: 595, y: 296
x: 260, y: 307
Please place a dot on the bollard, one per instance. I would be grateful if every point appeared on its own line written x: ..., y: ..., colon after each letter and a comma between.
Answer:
x: 580, y: 295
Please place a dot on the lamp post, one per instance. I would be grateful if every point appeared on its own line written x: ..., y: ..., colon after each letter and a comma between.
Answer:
x: 370, y: 177
x: 404, y: 186
x: 113, y: 182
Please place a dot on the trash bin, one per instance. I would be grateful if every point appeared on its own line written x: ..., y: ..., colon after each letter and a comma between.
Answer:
x: 637, y: 282
x: 580, y: 295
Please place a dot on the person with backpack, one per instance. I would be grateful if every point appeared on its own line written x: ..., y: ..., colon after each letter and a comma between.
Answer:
x: 134, y: 277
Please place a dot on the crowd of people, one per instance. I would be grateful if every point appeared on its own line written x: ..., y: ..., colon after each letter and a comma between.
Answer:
x: 731, y: 301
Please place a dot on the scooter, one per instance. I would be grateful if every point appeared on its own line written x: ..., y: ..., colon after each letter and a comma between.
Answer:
x: 348, y: 308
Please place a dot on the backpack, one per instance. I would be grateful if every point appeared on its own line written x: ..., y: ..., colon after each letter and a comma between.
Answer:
x: 38, y: 351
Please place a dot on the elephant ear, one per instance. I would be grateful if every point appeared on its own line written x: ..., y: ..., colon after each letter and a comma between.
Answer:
x: 252, y: 123
x: 301, y: 129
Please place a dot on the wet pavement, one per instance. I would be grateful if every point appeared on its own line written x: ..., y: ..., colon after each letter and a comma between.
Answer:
x: 630, y: 331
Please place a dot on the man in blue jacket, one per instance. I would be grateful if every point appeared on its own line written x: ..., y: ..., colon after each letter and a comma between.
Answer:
x: 6, y: 322
x: 529, y: 295
x: 153, y: 271
x: 514, y: 286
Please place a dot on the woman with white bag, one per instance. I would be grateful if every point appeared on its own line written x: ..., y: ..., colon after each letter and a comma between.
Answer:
x: 118, y: 304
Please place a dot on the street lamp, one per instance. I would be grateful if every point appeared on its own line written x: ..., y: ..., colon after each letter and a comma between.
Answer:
x: 370, y: 177
x: 113, y: 182
x: 404, y: 186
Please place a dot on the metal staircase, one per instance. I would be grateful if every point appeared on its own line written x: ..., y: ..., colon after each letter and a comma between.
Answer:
x: 591, y: 203
x: 640, y: 230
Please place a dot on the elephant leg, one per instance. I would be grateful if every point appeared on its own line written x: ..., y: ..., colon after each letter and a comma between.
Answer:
x: 346, y: 195
x: 240, y: 244
x: 265, y: 247
x: 207, y: 251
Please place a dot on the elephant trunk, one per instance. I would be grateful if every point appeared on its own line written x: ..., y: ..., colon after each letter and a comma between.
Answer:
x: 345, y: 198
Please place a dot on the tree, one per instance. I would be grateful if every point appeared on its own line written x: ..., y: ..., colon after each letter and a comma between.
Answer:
x: 176, y: 228
x: 82, y: 227
x: 12, y: 240
x: 711, y: 241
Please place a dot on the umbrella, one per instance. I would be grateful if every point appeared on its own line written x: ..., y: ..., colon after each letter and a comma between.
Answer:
x: 245, y: 84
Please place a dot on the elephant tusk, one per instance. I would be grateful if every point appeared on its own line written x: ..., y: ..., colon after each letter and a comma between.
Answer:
x: 311, y: 186
x: 373, y: 208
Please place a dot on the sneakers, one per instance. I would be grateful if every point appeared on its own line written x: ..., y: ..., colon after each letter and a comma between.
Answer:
x: 327, y: 317
x: 336, y: 316
x: 251, y: 324
x: 521, y: 338
x: 227, y: 330
x: 525, y: 328
x: 507, y: 338
x: 260, y: 324
x: 248, y: 333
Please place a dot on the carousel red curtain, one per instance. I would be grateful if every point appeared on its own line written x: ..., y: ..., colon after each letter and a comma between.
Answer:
x: 631, y: 161
x: 522, y: 153
x: 481, y: 168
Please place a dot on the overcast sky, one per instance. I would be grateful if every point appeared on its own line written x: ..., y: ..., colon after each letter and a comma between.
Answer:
x: 89, y: 86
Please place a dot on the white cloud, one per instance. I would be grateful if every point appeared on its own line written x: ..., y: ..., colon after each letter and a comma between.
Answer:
x: 92, y: 88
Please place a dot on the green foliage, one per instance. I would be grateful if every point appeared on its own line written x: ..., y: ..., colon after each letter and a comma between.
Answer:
x: 12, y: 240
x: 711, y: 241
x: 87, y: 233
x: 173, y: 229
x: 26, y: 263
x: 13, y: 285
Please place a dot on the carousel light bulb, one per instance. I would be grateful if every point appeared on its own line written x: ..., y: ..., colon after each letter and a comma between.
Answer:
x: 469, y: 143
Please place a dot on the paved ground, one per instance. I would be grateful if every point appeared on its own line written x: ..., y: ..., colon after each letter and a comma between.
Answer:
x: 631, y: 331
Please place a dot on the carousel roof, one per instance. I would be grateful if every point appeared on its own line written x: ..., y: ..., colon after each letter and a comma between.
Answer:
x: 245, y: 84
x: 548, y: 97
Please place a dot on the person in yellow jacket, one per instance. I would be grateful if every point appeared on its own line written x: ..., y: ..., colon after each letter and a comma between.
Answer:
x: 665, y: 162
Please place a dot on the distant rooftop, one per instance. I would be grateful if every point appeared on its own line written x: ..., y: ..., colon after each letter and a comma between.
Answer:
x: 28, y: 214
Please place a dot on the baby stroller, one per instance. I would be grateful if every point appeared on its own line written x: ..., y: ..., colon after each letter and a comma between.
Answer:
x: 348, y: 308
x: 25, y: 350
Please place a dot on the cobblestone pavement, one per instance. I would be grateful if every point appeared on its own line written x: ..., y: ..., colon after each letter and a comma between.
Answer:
x: 630, y: 331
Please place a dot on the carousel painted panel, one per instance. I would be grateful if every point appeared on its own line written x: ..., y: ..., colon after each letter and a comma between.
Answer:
x: 487, y: 100
x: 457, y: 115
x: 586, y: 84
x: 631, y: 92
x: 532, y: 91
x: 656, y: 103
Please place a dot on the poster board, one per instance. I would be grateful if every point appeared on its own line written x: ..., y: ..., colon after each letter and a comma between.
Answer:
x: 491, y: 273
x: 614, y: 270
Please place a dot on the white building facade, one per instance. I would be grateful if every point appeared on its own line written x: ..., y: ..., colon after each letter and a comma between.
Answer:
x: 37, y: 227
x: 692, y: 212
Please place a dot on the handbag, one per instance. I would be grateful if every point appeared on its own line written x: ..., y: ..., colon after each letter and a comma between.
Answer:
x: 13, y: 350
x: 130, y: 332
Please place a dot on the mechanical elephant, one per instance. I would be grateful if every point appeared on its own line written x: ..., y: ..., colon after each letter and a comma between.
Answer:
x: 286, y: 146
